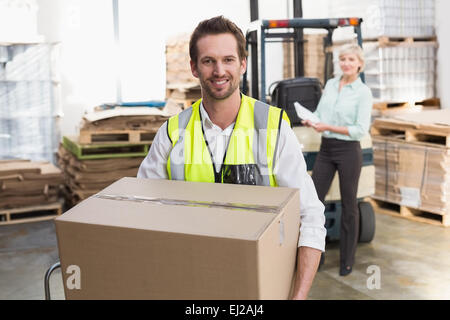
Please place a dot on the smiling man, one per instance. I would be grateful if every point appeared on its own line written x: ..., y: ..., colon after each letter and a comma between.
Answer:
x: 227, y: 137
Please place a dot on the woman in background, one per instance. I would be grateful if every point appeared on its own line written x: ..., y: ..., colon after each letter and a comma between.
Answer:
x: 344, y: 112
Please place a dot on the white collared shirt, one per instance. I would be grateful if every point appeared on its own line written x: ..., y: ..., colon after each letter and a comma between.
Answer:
x: 290, y: 171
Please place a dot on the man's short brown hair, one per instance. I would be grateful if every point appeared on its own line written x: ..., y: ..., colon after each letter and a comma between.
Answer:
x: 216, y: 25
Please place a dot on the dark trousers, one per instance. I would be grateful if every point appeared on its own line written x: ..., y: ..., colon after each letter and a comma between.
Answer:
x: 346, y: 158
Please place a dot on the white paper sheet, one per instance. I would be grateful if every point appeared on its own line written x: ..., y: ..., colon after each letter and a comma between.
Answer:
x: 305, y: 114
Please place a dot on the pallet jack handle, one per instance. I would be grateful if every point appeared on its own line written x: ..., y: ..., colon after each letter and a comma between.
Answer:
x: 47, y: 279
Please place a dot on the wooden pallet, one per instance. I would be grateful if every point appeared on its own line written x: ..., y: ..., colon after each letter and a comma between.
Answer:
x: 184, y: 103
x: 392, y: 112
x: 30, y: 213
x: 433, y: 102
x: 413, y: 214
x: 412, y: 132
x: 116, y: 136
x: 105, y: 150
x: 184, y: 95
x: 384, y: 41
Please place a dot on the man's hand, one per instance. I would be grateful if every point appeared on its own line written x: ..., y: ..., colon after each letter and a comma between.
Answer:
x: 307, y: 263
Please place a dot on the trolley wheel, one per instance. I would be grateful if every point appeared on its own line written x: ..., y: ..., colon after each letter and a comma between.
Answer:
x: 366, y: 222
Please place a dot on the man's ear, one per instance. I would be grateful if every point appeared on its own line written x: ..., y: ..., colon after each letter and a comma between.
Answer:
x: 243, y: 65
x: 194, y: 68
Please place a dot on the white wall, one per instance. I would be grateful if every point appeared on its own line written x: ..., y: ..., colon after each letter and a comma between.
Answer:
x: 315, y: 9
x: 83, y: 29
x: 443, y: 64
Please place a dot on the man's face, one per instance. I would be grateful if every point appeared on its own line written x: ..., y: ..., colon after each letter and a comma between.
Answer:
x: 218, y: 66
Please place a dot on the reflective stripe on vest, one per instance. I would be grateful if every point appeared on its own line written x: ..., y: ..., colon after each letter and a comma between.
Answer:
x: 251, y: 148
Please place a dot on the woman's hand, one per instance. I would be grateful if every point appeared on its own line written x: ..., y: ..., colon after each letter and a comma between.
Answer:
x: 321, y: 127
x: 307, y: 123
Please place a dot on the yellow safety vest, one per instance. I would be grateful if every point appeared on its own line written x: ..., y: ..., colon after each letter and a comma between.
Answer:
x: 250, y: 155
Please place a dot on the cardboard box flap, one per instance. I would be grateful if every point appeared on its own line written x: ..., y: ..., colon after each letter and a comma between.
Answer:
x: 123, y: 205
x: 200, y: 191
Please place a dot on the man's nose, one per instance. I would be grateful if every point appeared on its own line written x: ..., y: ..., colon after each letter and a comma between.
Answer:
x: 219, y: 69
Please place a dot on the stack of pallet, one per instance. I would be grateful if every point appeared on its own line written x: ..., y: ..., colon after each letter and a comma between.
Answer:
x: 111, y: 145
x: 182, y: 88
x: 412, y: 165
x: 183, y: 96
x: 314, y: 57
x: 29, y: 189
x: 177, y: 61
x: 90, y: 168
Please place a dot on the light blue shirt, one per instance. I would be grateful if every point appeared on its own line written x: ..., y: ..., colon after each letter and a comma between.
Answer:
x: 351, y: 107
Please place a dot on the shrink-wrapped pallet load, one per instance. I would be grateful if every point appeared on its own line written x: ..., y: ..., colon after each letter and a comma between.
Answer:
x: 390, y: 18
x: 397, y: 71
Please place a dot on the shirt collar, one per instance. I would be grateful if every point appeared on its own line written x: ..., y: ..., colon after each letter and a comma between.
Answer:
x: 206, y: 121
x: 354, y: 85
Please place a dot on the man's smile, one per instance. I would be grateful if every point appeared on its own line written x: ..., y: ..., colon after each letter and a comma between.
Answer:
x: 219, y: 83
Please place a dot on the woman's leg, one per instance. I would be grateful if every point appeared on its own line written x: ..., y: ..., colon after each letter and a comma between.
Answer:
x: 323, y: 173
x: 349, y: 169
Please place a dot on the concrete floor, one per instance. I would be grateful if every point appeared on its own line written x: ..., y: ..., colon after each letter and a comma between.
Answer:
x: 413, y: 259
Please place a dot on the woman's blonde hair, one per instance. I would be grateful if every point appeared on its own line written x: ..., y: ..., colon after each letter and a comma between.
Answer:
x: 353, y: 48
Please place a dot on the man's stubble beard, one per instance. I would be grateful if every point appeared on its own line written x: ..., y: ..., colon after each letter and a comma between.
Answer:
x: 206, y: 90
x: 209, y: 92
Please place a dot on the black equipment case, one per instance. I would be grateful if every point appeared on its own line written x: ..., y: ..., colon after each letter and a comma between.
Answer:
x: 307, y: 91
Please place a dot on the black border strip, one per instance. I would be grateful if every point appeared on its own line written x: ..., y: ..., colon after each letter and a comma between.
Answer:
x: 217, y: 176
x: 278, y: 139
x: 167, y: 130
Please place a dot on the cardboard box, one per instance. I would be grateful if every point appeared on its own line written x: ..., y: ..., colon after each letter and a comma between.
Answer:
x: 159, y: 239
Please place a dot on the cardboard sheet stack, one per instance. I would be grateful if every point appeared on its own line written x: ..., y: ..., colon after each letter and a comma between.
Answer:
x: 26, y: 183
x: 182, y: 88
x: 314, y: 57
x: 93, y: 165
x: 412, y: 160
x: 138, y: 124
x: 84, y: 178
